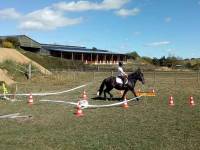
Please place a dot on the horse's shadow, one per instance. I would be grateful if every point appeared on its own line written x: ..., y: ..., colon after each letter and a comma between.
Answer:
x: 102, y: 98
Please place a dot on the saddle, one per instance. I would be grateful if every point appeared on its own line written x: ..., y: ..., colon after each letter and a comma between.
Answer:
x: 119, y: 80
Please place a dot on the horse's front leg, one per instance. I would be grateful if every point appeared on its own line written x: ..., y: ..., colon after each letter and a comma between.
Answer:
x: 133, y: 91
x: 124, y: 94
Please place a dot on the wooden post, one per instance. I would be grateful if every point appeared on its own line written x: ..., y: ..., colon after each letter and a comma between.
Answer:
x: 82, y: 57
x: 74, y: 75
x: 72, y: 56
x: 93, y: 75
x: 154, y: 77
x: 175, y: 78
x: 61, y: 55
x: 29, y: 71
x: 198, y: 76
x: 97, y: 58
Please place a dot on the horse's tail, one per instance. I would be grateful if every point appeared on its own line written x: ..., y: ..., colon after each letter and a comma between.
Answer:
x: 99, y: 92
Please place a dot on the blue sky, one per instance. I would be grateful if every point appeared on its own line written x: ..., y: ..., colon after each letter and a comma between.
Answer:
x: 153, y: 28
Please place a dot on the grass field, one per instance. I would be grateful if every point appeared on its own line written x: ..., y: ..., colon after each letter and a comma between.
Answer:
x: 147, y: 124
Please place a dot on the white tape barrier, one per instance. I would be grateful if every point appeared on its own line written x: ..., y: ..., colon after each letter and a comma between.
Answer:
x: 13, y: 116
x: 8, y: 116
x: 84, y: 105
x: 46, y: 94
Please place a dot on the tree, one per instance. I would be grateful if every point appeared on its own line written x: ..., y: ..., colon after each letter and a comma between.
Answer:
x: 94, y: 48
x: 162, y: 61
x: 147, y: 59
x: 134, y: 55
x: 155, y: 61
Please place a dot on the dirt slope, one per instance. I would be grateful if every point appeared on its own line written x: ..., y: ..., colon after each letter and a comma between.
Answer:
x: 14, y: 55
x: 4, y: 77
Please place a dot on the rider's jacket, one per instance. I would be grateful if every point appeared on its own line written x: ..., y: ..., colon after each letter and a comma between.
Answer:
x: 120, y: 72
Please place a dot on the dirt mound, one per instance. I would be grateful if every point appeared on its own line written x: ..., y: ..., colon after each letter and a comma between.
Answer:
x: 4, y: 77
x: 14, y: 55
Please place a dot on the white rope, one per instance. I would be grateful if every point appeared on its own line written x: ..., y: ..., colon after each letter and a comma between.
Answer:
x: 13, y: 116
x: 8, y: 116
x: 46, y: 94
x: 91, y: 106
x: 53, y: 101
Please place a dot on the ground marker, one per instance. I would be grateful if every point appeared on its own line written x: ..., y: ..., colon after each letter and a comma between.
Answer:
x: 79, y: 111
x: 125, y: 104
x: 171, y: 101
x: 30, y: 100
x: 191, y: 101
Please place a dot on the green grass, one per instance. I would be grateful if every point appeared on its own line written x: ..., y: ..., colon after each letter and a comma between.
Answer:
x: 50, y: 62
x: 147, y: 124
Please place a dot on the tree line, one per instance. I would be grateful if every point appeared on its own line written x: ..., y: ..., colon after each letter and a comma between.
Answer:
x: 170, y: 61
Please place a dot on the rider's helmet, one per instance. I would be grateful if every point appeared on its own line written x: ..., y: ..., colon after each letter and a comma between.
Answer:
x: 120, y: 64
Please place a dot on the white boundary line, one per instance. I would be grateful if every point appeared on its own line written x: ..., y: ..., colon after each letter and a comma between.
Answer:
x: 91, y: 106
x: 46, y: 94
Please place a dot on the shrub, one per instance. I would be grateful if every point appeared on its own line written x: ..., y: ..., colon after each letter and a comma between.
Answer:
x: 7, y: 44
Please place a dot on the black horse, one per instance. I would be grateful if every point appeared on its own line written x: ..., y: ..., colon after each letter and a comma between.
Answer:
x: 111, y: 83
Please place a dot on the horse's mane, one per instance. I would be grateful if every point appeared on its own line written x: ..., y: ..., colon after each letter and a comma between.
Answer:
x: 133, y: 74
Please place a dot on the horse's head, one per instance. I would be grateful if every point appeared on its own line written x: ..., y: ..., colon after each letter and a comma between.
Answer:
x: 137, y: 75
x: 140, y: 75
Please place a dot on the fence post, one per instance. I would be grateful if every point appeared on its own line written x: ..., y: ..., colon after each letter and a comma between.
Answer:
x: 198, y: 76
x: 74, y: 75
x: 154, y: 77
x: 175, y: 78
x: 93, y: 75
x: 29, y: 71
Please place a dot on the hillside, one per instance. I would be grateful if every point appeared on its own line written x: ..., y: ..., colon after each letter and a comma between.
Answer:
x: 5, y: 77
x: 7, y: 54
x: 14, y: 55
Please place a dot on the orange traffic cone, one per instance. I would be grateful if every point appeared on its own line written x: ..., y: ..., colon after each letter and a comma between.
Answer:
x: 84, y: 96
x: 191, y: 101
x: 153, y: 91
x: 79, y: 111
x: 125, y: 104
x: 30, y: 100
x: 171, y: 101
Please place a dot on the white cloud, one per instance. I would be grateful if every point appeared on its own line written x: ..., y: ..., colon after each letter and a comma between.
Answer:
x: 168, y: 19
x: 46, y: 19
x: 86, y: 5
x: 137, y: 33
x: 158, y: 44
x: 9, y: 14
x: 53, y: 17
x: 128, y: 12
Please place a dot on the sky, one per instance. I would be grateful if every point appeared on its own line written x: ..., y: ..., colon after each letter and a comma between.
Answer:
x: 152, y: 28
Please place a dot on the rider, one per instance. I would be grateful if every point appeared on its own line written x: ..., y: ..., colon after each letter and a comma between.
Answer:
x: 121, y: 74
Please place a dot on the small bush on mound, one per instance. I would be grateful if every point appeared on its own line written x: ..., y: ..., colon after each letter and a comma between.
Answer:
x: 7, y: 44
x: 17, y: 70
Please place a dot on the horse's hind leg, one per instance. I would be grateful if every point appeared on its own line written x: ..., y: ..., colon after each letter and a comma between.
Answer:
x: 107, y: 90
x: 111, y: 96
x: 105, y: 94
